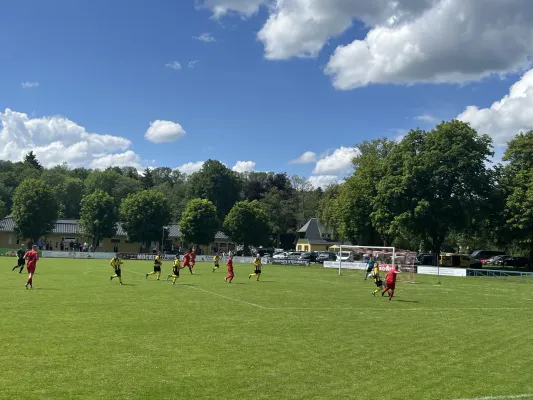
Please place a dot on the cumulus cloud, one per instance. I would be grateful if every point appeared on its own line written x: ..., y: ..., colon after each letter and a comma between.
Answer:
x: 164, y: 132
x: 29, y: 85
x: 507, y: 116
x: 306, y: 158
x: 174, y: 65
x: 404, y: 43
x: 56, y: 140
x: 205, y: 37
x: 337, y: 162
x: 244, y: 166
x: 323, y: 181
x: 191, y: 167
x: 426, y: 118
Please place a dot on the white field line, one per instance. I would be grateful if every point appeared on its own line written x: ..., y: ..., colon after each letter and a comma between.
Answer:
x: 398, y: 309
x: 505, y: 397
x: 224, y: 297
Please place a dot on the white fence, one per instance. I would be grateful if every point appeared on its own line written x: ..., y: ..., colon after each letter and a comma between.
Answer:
x: 76, y: 254
x: 441, y: 271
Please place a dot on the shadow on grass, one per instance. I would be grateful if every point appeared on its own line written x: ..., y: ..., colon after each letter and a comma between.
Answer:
x: 128, y: 284
x: 407, y: 301
x: 44, y: 288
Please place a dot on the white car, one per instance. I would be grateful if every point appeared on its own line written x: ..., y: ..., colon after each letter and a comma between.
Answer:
x: 280, y: 255
x: 345, y: 256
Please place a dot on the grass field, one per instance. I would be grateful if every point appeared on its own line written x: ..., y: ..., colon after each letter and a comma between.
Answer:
x: 300, y: 333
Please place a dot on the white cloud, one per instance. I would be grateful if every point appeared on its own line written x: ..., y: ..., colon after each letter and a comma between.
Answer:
x: 337, y: 162
x: 506, y: 117
x: 191, y: 167
x: 244, y: 166
x: 306, y: 158
x: 29, y: 85
x: 426, y: 118
x: 192, y: 64
x: 222, y: 7
x: 206, y: 37
x: 56, y: 140
x: 164, y: 132
x: 127, y: 159
x: 174, y: 65
x: 404, y: 42
x: 323, y: 181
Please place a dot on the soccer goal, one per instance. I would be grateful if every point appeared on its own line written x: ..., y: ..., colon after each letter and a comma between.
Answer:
x: 357, y: 257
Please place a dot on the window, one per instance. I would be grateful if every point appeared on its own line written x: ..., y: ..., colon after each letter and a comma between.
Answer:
x: 115, y: 240
x: 306, y: 248
x: 299, y: 248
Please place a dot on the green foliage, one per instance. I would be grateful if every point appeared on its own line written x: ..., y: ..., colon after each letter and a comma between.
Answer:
x: 143, y: 216
x: 216, y: 183
x: 147, y: 179
x: 279, y: 211
x: 305, y: 199
x: 2, y: 210
x: 435, y: 183
x: 31, y: 160
x: 113, y: 183
x: 199, y: 222
x: 99, y: 216
x: 247, y: 224
x: 35, y: 209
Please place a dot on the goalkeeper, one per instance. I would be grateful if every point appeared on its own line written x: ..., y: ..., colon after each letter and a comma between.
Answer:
x: 369, y: 267
x: 377, y: 280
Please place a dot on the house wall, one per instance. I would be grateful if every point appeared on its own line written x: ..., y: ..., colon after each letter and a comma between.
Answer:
x: 303, y: 245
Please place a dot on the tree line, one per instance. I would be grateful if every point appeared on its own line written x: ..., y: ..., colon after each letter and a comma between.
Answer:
x: 254, y: 208
x: 436, y: 190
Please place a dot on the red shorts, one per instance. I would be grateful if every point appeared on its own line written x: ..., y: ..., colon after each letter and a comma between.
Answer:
x: 186, y: 265
x: 31, y: 269
x: 230, y: 273
x: 391, y: 285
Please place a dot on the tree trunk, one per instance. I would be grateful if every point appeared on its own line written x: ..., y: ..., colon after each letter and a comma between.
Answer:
x: 278, y: 240
x: 245, y: 250
x: 435, y: 250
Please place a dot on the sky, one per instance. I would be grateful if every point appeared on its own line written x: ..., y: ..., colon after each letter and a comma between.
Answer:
x: 261, y: 85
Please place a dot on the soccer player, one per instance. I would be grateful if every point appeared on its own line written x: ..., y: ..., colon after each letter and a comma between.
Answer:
x: 390, y: 282
x: 157, y: 266
x: 231, y: 275
x: 192, y: 255
x: 257, y: 267
x: 116, y: 263
x: 377, y: 279
x: 187, y: 261
x: 175, y: 270
x: 216, y: 260
x: 21, y: 261
x: 370, y: 267
x: 32, y: 257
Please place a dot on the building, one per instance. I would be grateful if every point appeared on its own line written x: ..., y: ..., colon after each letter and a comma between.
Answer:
x: 314, y: 237
x: 68, y: 231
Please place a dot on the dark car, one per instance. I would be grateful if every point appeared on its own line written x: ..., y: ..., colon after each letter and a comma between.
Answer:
x: 517, y: 262
x: 483, y: 255
x: 311, y: 257
x: 495, y: 260
x: 326, y: 256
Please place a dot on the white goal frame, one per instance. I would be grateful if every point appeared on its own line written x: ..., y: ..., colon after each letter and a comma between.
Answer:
x: 367, y: 247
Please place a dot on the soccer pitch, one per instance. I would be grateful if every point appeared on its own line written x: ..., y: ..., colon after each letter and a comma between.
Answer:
x: 299, y: 333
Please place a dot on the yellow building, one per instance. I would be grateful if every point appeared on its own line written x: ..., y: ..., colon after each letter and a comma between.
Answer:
x: 67, y: 233
x: 314, y: 237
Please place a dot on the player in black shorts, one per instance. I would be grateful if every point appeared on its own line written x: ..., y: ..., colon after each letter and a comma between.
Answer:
x: 20, y: 262
x: 157, y: 266
x: 116, y: 263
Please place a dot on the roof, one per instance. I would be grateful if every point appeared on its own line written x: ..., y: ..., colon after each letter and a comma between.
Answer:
x: 72, y: 227
x: 313, y: 231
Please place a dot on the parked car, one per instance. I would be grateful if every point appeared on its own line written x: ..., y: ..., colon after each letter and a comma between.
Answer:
x: 458, y: 260
x: 345, y: 256
x: 518, y: 262
x: 294, y: 255
x: 280, y: 255
x: 484, y: 255
x: 326, y: 256
x: 311, y: 257
x: 494, y: 260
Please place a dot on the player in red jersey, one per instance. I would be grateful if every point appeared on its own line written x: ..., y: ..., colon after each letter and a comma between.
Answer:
x: 390, y: 282
x: 192, y: 255
x: 187, y: 261
x: 231, y: 275
x: 31, y: 257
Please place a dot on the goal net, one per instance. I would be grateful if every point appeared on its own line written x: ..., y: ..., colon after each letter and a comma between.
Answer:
x: 353, y: 258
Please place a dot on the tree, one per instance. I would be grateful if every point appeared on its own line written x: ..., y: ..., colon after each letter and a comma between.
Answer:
x: 279, y: 211
x: 216, y: 183
x: 247, y: 223
x: 35, y: 209
x: 435, y: 183
x: 31, y: 160
x: 143, y: 216
x: 98, y: 216
x: 114, y: 184
x: 2, y: 210
x: 72, y: 194
x: 199, y: 222
x: 147, y: 179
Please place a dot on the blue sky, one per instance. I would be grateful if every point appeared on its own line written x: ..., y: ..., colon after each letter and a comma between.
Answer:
x: 259, y: 90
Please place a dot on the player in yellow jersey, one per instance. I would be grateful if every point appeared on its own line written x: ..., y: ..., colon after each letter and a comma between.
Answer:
x: 157, y: 266
x: 116, y: 263
x: 377, y: 279
x: 216, y: 261
x: 257, y: 267
x: 175, y: 270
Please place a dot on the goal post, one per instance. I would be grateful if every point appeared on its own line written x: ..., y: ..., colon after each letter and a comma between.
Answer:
x: 356, y: 257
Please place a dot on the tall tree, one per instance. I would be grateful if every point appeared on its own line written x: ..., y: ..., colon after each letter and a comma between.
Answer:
x: 247, y: 224
x: 114, y: 184
x: 2, y: 210
x: 199, y: 222
x: 35, y: 209
x: 31, y: 160
x: 216, y: 183
x: 280, y: 212
x: 144, y: 215
x: 147, y: 179
x: 434, y: 184
x: 98, y: 216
